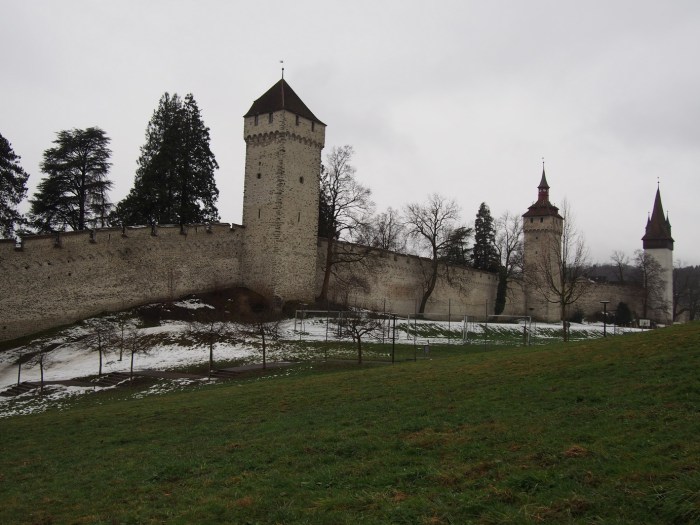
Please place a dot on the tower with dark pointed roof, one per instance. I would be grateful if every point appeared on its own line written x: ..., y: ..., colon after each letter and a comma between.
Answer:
x: 284, y: 140
x: 542, y: 232
x: 658, y: 243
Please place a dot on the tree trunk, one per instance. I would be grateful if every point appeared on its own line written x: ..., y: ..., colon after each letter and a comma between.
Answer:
x: 359, y: 350
x: 131, y: 370
x: 431, y: 285
x: 262, y: 333
x: 501, y: 291
x: 327, y: 272
x: 41, y: 370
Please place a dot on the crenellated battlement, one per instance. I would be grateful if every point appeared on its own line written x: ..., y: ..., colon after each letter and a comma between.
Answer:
x: 56, y: 279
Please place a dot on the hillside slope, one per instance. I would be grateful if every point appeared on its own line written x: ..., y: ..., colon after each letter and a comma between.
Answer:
x: 602, y: 431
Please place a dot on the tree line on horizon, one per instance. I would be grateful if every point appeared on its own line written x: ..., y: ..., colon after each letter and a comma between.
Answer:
x: 174, y: 184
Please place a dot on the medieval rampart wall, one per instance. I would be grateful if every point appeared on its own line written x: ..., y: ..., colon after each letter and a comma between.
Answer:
x: 54, y: 280
x: 590, y: 304
x: 389, y: 281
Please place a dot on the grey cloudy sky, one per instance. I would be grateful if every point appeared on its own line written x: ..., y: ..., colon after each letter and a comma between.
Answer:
x: 461, y: 98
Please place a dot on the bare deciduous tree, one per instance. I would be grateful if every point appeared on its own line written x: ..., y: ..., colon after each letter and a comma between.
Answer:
x: 211, y: 325
x: 385, y: 231
x: 621, y: 263
x: 650, y: 278
x: 559, y: 272
x: 509, y: 247
x: 263, y: 325
x: 135, y: 343
x: 433, y: 225
x: 344, y: 208
x: 686, y: 292
x: 100, y: 338
x: 362, y: 325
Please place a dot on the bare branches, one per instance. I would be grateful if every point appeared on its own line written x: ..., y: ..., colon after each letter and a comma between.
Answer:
x: 436, y: 229
x: 344, y: 210
x: 509, y: 250
x: 621, y: 263
x: 558, y: 272
x: 651, y: 279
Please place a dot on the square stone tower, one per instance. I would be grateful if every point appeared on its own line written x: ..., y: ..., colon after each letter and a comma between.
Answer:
x: 542, y: 232
x: 284, y: 140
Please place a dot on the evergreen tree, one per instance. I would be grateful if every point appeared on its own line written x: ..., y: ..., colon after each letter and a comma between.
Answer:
x: 13, y: 188
x: 74, y: 193
x: 484, y: 254
x: 174, y: 182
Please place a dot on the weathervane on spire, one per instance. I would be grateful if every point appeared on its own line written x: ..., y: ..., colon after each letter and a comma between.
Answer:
x: 282, y: 62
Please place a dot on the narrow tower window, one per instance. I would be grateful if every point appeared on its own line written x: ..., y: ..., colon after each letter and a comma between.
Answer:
x: 256, y: 120
x: 259, y: 175
x: 301, y: 180
x: 313, y: 125
x: 258, y: 213
x: 297, y: 120
x: 299, y: 217
x: 269, y: 118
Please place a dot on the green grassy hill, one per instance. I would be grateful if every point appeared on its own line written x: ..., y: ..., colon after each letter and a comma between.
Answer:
x: 591, y: 432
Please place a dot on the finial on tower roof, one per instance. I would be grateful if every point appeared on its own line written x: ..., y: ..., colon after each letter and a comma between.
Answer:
x: 282, y: 62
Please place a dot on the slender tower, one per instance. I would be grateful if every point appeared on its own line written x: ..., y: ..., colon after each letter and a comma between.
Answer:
x: 284, y: 140
x: 658, y: 243
x: 542, y: 231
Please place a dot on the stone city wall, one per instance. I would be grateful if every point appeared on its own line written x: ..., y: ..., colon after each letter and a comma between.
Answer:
x: 392, y: 282
x: 59, y: 279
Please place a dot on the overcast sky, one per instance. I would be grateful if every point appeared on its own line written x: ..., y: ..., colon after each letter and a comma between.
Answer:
x: 462, y: 98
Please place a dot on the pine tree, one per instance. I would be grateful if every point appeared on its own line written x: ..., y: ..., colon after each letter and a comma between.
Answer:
x: 73, y: 195
x: 174, y: 183
x: 13, y: 188
x: 484, y: 255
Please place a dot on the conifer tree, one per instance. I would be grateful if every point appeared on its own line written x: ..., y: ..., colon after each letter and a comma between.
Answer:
x: 174, y: 182
x: 73, y: 195
x: 484, y: 255
x: 13, y: 188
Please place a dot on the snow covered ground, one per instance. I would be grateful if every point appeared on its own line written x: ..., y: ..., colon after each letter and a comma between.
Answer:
x: 72, y: 358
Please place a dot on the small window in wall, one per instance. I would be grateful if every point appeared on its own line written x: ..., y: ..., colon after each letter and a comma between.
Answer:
x: 541, y: 219
x: 256, y: 120
x: 313, y: 125
x: 269, y: 118
x: 299, y: 217
x: 301, y: 180
x: 258, y: 213
x: 259, y: 175
x: 531, y: 219
x: 297, y: 120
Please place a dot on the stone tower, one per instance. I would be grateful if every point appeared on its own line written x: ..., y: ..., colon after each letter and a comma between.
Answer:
x: 658, y: 243
x: 284, y: 140
x: 542, y: 231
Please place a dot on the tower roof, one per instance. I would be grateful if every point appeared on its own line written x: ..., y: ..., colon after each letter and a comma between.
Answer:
x: 658, y: 229
x: 281, y: 97
x: 543, y: 208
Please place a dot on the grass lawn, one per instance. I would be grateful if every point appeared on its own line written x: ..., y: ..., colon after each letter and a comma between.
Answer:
x: 601, y: 431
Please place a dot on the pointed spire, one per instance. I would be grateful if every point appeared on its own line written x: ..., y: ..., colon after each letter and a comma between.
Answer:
x: 658, y: 229
x: 543, y: 181
x: 542, y: 207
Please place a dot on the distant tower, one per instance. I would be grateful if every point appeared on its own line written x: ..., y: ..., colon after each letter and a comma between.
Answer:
x: 658, y: 243
x: 284, y: 140
x: 542, y: 230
